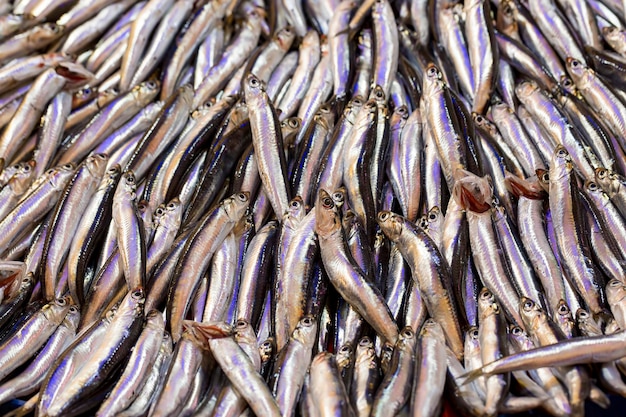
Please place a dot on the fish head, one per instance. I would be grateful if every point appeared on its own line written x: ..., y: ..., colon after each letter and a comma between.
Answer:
x: 23, y: 177
x: 83, y: 95
x: 344, y: 355
x: 472, y: 192
x: 253, y: 87
x: 561, y: 163
x: 406, y: 339
x: 339, y: 197
x: 266, y: 349
x: 472, y: 338
x: 75, y: 74
x: 154, y: 320
x: 56, y: 310
x: 400, y: 113
x: 484, y: 124
x: 615, y: 292
x: 201, y: 333
x: 289, y: 129
x: 587, y: 324
x: 377, y: 95
x: 529, y: 188
x: 72, y: 318
x: 433, y: 81
x: 487, y: 304
x: 97, y: 164
x: 59, y: 176
x: 432, y: 328
x: 532, y: 314
x: 391, y: 224
x: 326, y: 217
x: 577, y: 70
x: 526, y: 89
x: 306, y: 330
x: 284, y: 37
x: 244, y: 333
x: 236, y: 205
x: 128, y: 184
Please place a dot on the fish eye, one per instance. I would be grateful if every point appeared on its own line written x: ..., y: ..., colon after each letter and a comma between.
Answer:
x: 307, y: 321
x: 567, y: 83
x: 582, y: 314
x: 614, y: 283
x: 407, y: 333
x: 267, y: 345
x: 151, y: 85
x: 137, y: 294
x: 562, y: 153
x: 295, y: 204
x: 26, y: 168
x: 592, y: 186
x: 432, y: 71
x: 365, y: 341
x: 357, y: 101
x: 159, y: 211
x: 379, y: 93
x: 327, y: 202
x: 293, y: 123
x: 344, y: 349
x: 486, y: 294
x: 432, y: 217
x: 241, y: 324
x: 61, y: 301
x: 100, y: 156
x: 68, y: 166
x: 384, y: 216
x: 242, y: 197
x: 528, y: 305
x: 563, y: 309
x: 130, y: 179
x: 113, y: 170
x: 516, y: 330
x: 171, y: 206
x: 73, y: 309
x: 575, y: 63
x: 254, y: 82
x: 474, y: 333
x: 402, y: 110
x: 423, y: 223
x: 601, y: 173
x: 325, y: 108
x: 479, y: 119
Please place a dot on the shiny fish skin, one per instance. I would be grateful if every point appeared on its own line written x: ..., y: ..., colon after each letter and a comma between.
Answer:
x: 348, y: 279
x: 268, y: 144
x: 129, y: 228
x: 431, y: 273
x: 258, y: 229
x: 198, y: 250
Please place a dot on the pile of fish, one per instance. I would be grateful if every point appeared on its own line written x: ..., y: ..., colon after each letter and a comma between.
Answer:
x: 239, y: 207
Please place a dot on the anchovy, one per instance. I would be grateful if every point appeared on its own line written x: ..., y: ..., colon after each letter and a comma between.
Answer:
x: 430, y: 271
x: 345, y: 276
x: 197, y: 253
